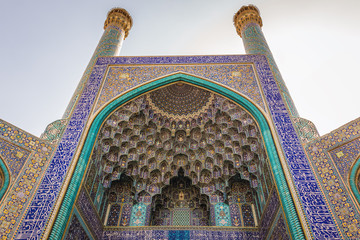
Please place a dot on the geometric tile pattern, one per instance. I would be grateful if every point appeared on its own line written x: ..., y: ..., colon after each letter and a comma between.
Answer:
x: 181, y: 217
x: 331, y: 156
x: 304, y: 180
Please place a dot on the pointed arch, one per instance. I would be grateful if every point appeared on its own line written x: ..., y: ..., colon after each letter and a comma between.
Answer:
x: 6, y: 178
x: 354, y: 174
x: 279, y: 176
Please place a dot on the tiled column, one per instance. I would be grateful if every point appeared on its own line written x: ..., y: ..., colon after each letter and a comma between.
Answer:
x: 248, y: 25
x: 117, y: 27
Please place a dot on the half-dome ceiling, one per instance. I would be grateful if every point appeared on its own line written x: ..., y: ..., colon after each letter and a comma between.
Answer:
x: 180, y: 100
x: 143, y: 140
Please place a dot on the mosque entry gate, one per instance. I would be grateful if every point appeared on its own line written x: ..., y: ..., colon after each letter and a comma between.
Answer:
x: 206, y: 163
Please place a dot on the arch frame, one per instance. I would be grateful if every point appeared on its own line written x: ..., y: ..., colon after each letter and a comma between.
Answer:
x: 354, y: 174
x: 6, y: 174
x: 288, y: 205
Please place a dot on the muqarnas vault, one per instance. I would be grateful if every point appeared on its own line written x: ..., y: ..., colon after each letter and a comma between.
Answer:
x: 180, y: 147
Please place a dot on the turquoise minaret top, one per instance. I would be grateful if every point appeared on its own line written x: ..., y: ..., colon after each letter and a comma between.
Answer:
x: 248, y: 25
x: 117, y: 27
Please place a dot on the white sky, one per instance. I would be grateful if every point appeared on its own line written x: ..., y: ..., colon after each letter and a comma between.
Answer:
x: 46, y: 45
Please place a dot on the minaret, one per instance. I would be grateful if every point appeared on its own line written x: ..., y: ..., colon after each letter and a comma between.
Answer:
x: 117, y: 27
x: 248, y: 25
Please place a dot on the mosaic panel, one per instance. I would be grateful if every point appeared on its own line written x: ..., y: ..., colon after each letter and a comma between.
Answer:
x: 126, y: 214
x: 14, y: 156
x: 330, y: 174
x: 222, y: 214
x: 239, y: 77
x: 247, y: 215
x: 119, y: 197
x: 212, y: 215
x: 230, y: 235
x: 235, y: 215
x: 23, y: 139
x: 114, y: 215
x: 242, y: 204
x: 138, y: 214
x: 87, y: 210
x: 20, y: 192
x: 76, y: 231
x: 138, y: 235
x: 299, y: 166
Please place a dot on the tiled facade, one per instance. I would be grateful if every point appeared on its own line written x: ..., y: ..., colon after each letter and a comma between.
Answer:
x: 308, y: 186
x: 332, y: 157
x: 26, y: 156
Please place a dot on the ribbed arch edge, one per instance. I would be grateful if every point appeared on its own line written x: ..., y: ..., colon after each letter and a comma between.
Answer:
x: 5, y: 171
x: 293, y: 221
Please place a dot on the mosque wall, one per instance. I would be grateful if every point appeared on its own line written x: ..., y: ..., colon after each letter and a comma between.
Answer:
x: 26, y: 157
x: 315, y: 187
x: 258, y: 85
x: 117, y: 80
x: 332, y: 158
